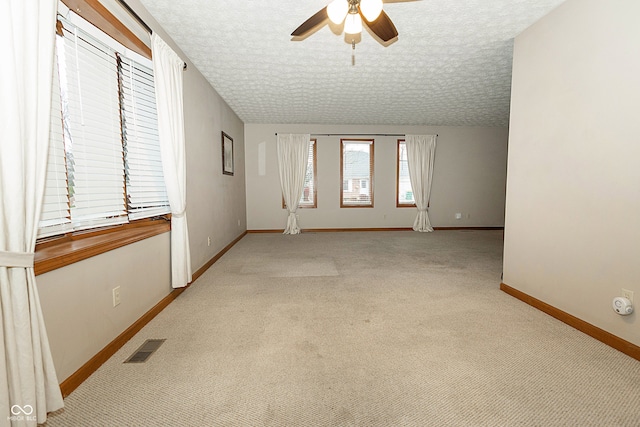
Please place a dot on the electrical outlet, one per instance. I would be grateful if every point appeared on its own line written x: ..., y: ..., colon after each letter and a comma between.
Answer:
x: 627, y: 294
x: 238, y: 223
x: 116, y: 295
x: 208, y: 241
x: 458, y: 215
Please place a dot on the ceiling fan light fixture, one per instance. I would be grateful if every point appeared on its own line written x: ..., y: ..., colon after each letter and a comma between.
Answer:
x: 371, y: 9
x: 353, y: 24
x: 337, y: 11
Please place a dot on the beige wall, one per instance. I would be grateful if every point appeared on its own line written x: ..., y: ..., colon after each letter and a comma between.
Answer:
x: 572, y: 235
x: 215, y: 202
x: 469, y: 177
x: 77, y: 301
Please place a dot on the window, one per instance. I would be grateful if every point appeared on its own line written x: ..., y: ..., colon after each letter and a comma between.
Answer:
x: 404, y: 192
x: 309, y: 197
x: 356, y: 173
x: 104, y: 161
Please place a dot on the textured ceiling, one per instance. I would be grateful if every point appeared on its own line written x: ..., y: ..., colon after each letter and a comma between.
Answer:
x: 451, y: 64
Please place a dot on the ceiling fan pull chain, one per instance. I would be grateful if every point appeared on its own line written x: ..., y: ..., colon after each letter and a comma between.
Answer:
x: 353, y: 53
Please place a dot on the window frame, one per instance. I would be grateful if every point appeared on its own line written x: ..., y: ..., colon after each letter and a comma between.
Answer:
x: 398, y: 204
x: 98, y: 15
x: 314, y: 150
x: 371, y: 143
x: 58, y: 251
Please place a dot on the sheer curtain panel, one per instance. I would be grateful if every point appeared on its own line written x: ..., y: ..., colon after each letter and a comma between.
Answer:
x: 28, y: 383
x: 293, y: 152
x: 168, y: 69
x: 421, y: 150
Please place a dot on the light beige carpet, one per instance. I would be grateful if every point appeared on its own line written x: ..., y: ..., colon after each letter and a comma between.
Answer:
x: 359, y: 329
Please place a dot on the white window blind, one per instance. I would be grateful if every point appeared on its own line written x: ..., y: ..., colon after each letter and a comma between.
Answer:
x: 105, y: 169
x: 357, y: 173
x: 56, y: 216
x: 404, y: 190
x: 95, y: 159
x: 146, y: 193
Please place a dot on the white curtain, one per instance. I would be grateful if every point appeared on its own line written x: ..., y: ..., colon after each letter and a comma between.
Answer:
x: 293, y: 155
x: 28, y: 383
x: 167, y: 71
x: 421, y: 151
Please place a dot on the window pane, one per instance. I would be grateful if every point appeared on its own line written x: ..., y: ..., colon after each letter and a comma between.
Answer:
x: 357, y: 173
x: 308, y: 197
x: 55, y: 217
x: 104, y: 163
x: 146, y: 194
x: 405, y: 192
x: 91, y: 116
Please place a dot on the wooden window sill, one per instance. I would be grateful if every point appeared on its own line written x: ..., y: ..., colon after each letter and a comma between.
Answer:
x: 57, y: 253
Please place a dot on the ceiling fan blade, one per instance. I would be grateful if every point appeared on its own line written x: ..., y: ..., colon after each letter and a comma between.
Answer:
x: 382, y: 27
x: 311, y: 23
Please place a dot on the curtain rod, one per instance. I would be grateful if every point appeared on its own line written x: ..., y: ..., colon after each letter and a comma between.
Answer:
x: 133, y: 13
x: 357, y: 134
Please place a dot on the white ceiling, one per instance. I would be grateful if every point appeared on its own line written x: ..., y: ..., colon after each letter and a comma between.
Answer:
x: 451, y: 64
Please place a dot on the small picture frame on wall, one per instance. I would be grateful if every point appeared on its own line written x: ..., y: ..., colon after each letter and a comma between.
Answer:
x: 227, y: 154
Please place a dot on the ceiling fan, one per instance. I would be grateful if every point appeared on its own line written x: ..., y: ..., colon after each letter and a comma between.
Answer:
x: 353, y: 13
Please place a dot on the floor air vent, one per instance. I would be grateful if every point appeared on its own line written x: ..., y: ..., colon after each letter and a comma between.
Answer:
x: 145, y: 351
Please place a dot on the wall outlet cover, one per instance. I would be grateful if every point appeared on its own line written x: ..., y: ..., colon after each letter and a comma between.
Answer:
x: 116, y: 295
